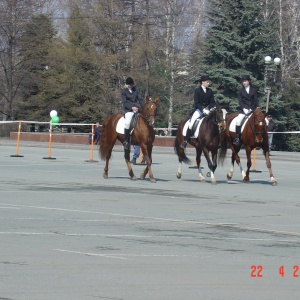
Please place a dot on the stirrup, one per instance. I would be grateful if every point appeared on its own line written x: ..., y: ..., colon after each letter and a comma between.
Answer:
x: 126, y: 145
x: 236, y: 142
x: 183, y: 145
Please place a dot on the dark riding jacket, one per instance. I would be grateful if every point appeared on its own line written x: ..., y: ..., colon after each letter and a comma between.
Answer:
x: 131, y: 99
x: 203, y: 99
x: 247, y: 100
x: 271, y: 126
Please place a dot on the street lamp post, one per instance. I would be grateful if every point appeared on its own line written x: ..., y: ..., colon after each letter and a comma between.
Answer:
x: 270, y: 68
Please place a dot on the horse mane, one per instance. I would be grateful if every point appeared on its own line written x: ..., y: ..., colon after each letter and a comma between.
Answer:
x: 259, y: 112
x: 211, y: 115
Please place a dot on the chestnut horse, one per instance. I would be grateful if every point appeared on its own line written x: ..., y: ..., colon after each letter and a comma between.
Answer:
x: 207, y: 142
x: 142, y: 135
x: 255, y: 134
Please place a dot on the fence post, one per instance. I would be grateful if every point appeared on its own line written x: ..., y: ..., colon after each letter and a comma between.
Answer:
x: 92, y: 146
x: 254, y: 163
x: 18, y: 142
x: 50, y: 144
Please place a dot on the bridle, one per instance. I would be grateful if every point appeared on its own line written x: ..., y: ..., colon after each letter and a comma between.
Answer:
x: 257, y: 122
x: 148, y: 115
x: 219, y: 120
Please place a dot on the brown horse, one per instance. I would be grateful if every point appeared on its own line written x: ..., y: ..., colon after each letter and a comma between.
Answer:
x: 207, y: 142
x: 142, y: 135
x: 254, y: 135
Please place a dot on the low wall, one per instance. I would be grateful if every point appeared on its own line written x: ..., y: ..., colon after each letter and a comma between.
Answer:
x: 76, y: 138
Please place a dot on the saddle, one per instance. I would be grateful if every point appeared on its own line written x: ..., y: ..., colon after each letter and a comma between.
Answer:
x: 121, y: 124
x: 232, y: 125
x: 195, y: 127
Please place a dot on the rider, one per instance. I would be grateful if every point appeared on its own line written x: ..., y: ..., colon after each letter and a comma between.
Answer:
x: 203, y: 101
x: 132, y: 103
x: 248, y: 101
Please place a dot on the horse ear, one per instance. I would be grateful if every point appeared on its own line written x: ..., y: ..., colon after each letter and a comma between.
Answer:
x: 156, y: 99
x: 147, y: 99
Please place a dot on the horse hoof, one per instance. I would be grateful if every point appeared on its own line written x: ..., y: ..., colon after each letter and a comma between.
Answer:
x: 202, y: 179
x: 133, y: 178
x: 178, y: 175
x: 152, y: 180
x: 214, y: 182
x: 105, y: 176
x: 142, y: 176
x: 274, y: 183
x: 229, y: 177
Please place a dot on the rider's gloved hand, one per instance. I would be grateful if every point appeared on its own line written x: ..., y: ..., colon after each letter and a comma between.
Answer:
x: 206, y: 111
x: 247, y: 111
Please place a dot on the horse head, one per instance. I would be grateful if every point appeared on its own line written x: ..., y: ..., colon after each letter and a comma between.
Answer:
x: 260, y: 125
x: 221, y: 117
x: 149, y: 110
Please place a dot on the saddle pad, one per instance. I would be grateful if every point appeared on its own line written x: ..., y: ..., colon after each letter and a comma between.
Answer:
x: 233, y: 124
x: 121, y: 126
x: 185, y: 127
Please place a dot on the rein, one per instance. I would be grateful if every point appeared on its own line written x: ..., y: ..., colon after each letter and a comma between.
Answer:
x: 218, y: 120
x: 253, y: 125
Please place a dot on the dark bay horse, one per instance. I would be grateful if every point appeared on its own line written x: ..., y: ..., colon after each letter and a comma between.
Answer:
x: 254, y: 135
x: 207, y: 142
x: 142, y: 135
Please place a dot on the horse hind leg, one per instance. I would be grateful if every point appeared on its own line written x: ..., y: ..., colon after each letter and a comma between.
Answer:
x: 179, y: 170
x: 107, y: 158
x: 147, y: 152
x: 129, y: 167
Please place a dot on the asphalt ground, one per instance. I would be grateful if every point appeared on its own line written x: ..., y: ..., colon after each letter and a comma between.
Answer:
x: 68, y: 233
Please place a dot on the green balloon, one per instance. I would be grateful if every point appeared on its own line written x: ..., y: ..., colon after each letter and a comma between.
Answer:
x: 55, y: 119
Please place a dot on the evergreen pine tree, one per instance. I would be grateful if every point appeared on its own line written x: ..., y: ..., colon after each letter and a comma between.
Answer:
x: 35, y: 44
x: 236, y: 43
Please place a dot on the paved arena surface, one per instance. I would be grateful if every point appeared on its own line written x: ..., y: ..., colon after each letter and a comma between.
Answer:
x: 68, y: 233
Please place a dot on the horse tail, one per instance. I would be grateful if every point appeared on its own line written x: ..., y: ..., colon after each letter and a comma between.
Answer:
x: 185, y: 159
x: 103, y: 149
x: 223, y: 149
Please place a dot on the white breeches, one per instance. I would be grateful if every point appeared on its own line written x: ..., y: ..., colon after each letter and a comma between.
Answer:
x: 128, y: 118
x: 239, y: 119
x: 197, y: 114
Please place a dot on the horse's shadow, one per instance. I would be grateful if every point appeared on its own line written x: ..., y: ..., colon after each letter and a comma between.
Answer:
x: 139, y: 179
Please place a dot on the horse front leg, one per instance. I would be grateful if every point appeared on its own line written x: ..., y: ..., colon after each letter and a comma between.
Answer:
x: 214, y: 156
x: 269, y: 166
x: 147, y: 152
x: 210, y: 166
x: 249, y: 164
x: 198, y: 160
x: 127, y: 160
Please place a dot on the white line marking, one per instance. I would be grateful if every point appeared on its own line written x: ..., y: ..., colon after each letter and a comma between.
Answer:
x: 90, y: 254
x: 132, y: 236
x: 232, y: 225
x: 126, y: 256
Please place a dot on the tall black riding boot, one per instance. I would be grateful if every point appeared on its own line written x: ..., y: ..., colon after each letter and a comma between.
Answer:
x: 237, y: 140
x: 187, y: 137
x: 126, y: 138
